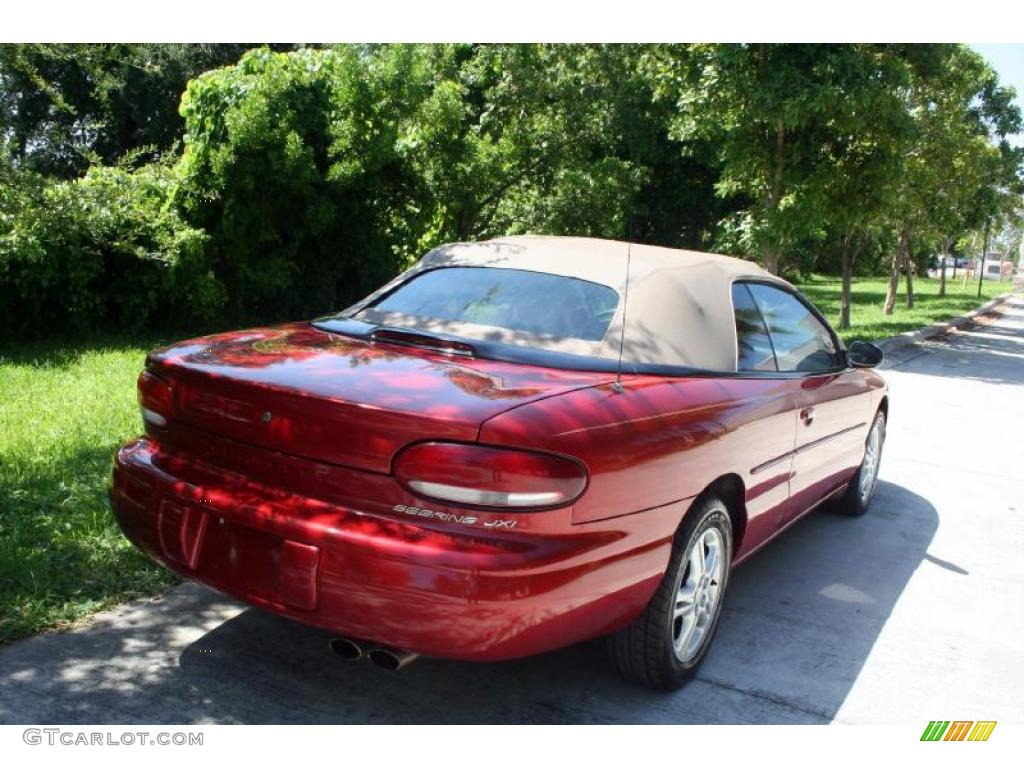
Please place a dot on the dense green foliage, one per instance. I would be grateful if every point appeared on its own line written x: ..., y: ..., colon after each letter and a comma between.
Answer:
x: 293, y: 166
x: 65, y: 107
x: 110, y: 249
x: 290, y: 183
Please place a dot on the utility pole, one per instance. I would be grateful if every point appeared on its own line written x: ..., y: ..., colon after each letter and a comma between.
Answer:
x: 984, y: 254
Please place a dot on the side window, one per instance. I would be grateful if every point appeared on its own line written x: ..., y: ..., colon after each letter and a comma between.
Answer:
x: 800, y: 340
x: 753, y: 347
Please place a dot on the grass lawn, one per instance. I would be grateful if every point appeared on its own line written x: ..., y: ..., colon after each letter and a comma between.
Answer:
x: 63, y: 412
x: 868, y: 294
x: 64, y: 409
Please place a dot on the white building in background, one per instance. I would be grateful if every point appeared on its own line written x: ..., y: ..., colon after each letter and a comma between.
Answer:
x: 998, y: 267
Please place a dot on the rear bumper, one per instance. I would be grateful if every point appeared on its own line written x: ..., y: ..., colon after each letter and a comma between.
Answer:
x: 458, y: 594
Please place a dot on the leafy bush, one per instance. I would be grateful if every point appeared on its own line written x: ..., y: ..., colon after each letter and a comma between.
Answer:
x: 319, y: 173
x: 307, y: 179
x: 290, y: 164
x: 107, y: 250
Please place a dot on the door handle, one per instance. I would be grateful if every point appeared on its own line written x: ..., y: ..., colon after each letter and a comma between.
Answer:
x: 807, y: 415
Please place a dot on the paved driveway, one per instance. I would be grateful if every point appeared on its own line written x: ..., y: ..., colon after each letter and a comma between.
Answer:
x: 912, y: 613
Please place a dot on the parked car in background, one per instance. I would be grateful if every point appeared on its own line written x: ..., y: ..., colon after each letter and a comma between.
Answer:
x: 952, y: 264
x: 514, y: 446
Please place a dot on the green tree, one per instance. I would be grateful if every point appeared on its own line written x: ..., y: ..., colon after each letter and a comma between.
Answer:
x: 319, y: 173
x: 956, y: 164
x: 292, y: 182
x: 565, y: 139
x: 291, y: 164
x: 64, y: 107
x: 859, y: 142
x: 770, y: 111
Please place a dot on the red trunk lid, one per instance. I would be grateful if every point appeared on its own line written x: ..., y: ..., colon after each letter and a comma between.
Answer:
x: 343, y: 400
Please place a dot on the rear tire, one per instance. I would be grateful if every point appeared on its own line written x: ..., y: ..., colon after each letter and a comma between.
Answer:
x: 857, y: 498
x: 665, y: 646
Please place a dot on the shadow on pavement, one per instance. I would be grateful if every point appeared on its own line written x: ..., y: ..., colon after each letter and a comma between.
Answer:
x: 800, y: 620
x: 977, y: 352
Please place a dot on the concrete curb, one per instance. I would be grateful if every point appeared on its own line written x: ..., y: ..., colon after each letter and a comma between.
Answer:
x: 936, y: 329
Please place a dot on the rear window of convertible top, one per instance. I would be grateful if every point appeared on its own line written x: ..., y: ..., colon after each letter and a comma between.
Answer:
x: 535, y: 303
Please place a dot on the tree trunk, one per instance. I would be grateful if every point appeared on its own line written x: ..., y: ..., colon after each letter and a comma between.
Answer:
x: 984, y: 255
x: 898, y: 258
x: 465, y: 223
x: 942, y: 274
x: 908, y: 264
x: 844, y: 306
x: 771, y: 253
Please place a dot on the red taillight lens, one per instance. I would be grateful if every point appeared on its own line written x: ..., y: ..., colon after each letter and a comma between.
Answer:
x: 483, y: 476
x: 155, y: 400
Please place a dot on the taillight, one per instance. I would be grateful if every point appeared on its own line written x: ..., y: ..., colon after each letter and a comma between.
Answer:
x: 155, y: 400
x: 484, y: 476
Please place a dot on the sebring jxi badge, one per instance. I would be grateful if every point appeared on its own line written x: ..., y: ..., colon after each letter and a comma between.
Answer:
x: 448, y: 517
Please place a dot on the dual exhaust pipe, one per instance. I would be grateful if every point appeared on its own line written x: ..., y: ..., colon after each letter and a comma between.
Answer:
x: 391, y: 659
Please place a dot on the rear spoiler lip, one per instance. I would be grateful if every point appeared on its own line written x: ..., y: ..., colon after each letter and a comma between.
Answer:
x: 429, y: 341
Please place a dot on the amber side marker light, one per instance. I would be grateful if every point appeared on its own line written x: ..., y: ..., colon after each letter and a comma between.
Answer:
x: 156, y: 401
x: 490, y: 477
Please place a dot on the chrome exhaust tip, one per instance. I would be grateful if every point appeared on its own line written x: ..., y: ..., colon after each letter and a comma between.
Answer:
x: 347, y: 648
x: 391, y: 659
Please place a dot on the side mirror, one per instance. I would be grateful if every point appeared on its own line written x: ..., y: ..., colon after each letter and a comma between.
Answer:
x: 863, y: 354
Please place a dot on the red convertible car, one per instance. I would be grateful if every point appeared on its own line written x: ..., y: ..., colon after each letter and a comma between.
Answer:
x: 514, y: 446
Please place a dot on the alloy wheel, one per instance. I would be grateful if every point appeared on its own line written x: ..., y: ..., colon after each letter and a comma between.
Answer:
x: 869, y: 469
x: 698, y: 594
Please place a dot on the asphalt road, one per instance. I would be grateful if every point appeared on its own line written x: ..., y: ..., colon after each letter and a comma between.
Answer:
x: 911, y: 613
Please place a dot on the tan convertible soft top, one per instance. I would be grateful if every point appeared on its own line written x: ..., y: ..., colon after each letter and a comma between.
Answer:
x: 679, y: 302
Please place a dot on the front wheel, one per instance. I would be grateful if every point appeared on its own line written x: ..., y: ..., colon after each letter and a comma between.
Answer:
x: 857, y: 498
x: 666, y: 645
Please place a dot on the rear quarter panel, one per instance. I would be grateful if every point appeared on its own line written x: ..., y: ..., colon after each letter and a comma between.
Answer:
x: 662, y: 441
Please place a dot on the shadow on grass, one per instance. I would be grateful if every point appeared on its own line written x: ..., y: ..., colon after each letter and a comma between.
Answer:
x: 65, y: 353
x: 62, y: 555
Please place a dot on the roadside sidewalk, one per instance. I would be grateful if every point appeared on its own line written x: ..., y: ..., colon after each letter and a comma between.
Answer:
x: 936, y: 329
